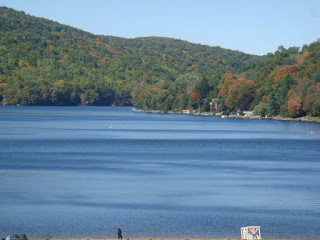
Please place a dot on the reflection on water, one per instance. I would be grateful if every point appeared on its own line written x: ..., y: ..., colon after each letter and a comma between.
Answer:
x: 64, y: 173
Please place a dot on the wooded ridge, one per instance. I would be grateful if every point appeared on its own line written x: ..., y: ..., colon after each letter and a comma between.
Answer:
x: 43, y: 62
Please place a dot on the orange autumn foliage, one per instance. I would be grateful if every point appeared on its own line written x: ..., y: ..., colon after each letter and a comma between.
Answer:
x: 142, y: 95
x: 280, y: 73
x: 294, y: 107
x: 225, y: 82
x: 194, y: 96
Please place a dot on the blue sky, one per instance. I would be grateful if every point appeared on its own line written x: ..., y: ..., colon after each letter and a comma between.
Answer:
x: 251, y: 26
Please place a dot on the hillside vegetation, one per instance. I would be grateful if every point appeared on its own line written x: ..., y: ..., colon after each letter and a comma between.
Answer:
x: 43, y: 62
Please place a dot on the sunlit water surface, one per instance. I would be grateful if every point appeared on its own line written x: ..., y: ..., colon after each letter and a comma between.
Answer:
x: 64, y: 173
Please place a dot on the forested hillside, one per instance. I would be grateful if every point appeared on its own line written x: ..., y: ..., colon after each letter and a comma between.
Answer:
x: 286, y: 83
x: 46, y: 63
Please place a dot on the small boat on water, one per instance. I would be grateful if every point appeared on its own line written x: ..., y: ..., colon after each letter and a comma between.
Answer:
x: 110, y: 126
x: 312, y: 133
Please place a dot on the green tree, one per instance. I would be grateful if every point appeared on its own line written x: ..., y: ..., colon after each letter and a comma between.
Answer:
x: 221, y: 107
x: 316, y: 109
x: 261, y: 109
x: 246, y: 93
x: 89, y: 97
x: 271, y: 105
x: 194, y: 100
x: 203, y: 88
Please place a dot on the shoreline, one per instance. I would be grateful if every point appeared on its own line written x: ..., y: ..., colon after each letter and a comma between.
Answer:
x: 186, y: 238
x: 300, y: 119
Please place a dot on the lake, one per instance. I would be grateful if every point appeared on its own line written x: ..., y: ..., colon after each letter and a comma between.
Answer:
x: 64, y: 173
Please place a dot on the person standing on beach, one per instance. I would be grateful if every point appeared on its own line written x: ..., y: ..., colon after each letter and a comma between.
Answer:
x: 8, y: 238
x: 120, y: 232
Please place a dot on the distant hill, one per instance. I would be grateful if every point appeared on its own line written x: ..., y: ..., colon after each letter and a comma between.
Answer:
x: 47, y: 63
x: 43, y: 62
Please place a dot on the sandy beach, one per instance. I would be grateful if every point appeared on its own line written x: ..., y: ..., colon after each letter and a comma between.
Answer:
x: 126, y: 238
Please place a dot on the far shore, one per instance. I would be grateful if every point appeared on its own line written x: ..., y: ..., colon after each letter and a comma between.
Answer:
x: 252, y: 117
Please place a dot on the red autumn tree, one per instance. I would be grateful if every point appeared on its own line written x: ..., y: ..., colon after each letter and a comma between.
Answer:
x: 294, y: 107
x: 194, y: 99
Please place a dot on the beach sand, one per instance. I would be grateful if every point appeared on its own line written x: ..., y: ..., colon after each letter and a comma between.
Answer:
x: 126, y: 238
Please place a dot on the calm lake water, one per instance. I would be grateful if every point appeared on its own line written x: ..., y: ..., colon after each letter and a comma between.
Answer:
x: 64, y: 173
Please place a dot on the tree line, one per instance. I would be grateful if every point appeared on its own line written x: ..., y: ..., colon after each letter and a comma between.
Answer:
x: 43, y: 62
x: 286, y: 83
